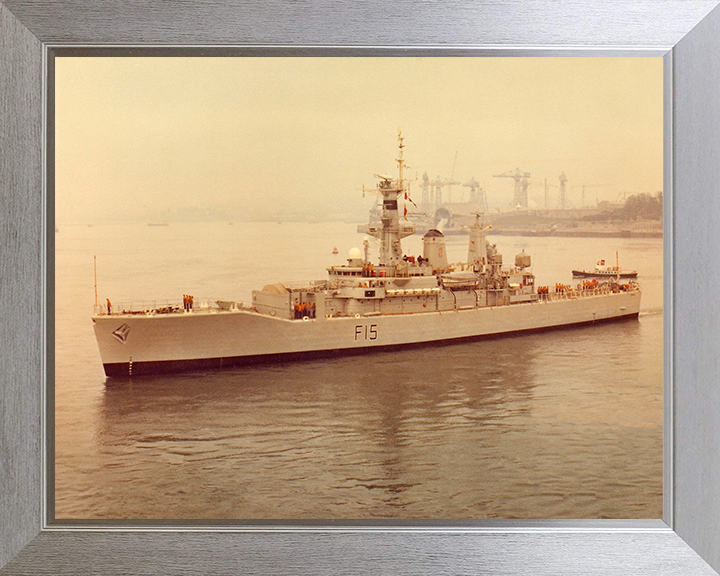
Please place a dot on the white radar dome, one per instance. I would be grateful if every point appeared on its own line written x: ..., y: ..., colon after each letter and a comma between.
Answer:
x: 354, y: 254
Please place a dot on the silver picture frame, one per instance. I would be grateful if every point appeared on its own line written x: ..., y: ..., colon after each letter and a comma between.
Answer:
x: 685, y: 33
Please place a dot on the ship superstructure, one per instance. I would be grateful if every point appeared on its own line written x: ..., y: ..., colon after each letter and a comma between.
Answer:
x: 362, y: 306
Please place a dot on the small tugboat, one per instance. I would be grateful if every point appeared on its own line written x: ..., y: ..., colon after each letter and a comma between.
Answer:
x: 363, y: 306
x: 603, y: 271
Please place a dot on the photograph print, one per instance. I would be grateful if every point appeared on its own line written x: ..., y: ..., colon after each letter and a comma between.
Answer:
x: 370, y: 288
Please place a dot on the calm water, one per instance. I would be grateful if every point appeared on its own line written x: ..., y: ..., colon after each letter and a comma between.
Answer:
x: 564, y: 424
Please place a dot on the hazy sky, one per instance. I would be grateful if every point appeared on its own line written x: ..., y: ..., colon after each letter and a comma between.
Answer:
x: 266, y: 136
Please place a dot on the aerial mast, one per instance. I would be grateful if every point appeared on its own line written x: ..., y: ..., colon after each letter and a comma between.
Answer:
x: 391, y: 230
x: 95, y: 274
x: 400, y: 160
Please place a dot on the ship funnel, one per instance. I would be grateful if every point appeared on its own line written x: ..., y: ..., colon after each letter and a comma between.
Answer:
x: 522, y: 260
x: 434, y: 249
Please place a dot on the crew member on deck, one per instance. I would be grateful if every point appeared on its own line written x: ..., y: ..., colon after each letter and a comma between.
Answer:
x: 109, y: 305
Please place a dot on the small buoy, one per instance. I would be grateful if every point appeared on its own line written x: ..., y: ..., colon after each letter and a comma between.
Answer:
x: 335, y: 250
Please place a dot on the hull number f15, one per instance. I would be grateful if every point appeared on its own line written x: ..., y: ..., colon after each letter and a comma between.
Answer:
x: 366, y: 332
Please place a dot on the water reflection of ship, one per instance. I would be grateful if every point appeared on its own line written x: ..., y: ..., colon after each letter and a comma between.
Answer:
x: 316, y: 383
x: 331, y: 428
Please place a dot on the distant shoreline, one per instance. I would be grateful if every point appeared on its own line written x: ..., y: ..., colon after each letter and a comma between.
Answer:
x: 578, y: 233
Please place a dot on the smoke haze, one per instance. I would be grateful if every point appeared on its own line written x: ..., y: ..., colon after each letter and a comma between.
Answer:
x: 255, y: 138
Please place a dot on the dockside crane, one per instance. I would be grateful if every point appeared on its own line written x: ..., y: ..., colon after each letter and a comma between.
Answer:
x: 583, y: 186
x: 425, y: 187
x: 477, y: 194
x: 546, y: 191
x: 438, y: 186
x: 521, y: 185
x: 563, y: 200
x: 547, y: 195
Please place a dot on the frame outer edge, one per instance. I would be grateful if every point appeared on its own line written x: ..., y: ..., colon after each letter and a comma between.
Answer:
x: 400, y: 22
x: 395, y: 552
x: 20, y: 284
x: 697, y: 309
x: 20, y: 278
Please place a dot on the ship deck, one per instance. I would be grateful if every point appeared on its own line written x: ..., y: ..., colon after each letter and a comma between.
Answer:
x: 169, y: 308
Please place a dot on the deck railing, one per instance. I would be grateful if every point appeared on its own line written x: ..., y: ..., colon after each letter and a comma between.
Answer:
x: 205, y: 304
x: 573, y: 293
x: 165, y: 306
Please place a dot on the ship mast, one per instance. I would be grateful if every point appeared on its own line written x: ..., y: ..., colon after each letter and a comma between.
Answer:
x: 400, y: 161
x: 477, y: 249
x: 392, y: 230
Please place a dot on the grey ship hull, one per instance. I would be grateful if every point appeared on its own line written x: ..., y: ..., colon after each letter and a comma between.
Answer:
x: 132, y: 345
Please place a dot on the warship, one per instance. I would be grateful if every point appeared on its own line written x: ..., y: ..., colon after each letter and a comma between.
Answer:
x: 362, y: 306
